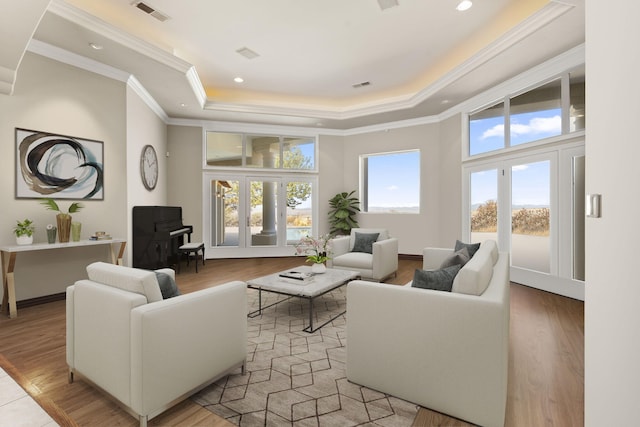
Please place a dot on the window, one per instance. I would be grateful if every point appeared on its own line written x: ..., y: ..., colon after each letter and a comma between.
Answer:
x: 552, y: 109
x: 260, y: 151
x: 535, y: 114
x: 391, y: 182
x: 486, y: 130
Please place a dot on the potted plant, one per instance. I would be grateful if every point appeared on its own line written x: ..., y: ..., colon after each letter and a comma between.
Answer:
x: 317, y: 251
x: 24, y: 232
x: 344, y: 208
x: 63, y: 219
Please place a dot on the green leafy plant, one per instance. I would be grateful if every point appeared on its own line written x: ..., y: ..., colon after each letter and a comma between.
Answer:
x: 24, y: 228
x: 344, y: 207
x: 53, y: 206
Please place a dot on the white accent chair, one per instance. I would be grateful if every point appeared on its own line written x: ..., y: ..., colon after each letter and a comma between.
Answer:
x: 146, y: 352
x: 381, y: 263
x: 446, y: 351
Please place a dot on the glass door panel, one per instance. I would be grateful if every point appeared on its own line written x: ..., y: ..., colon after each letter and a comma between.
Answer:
x: 299, y: 212
x: 578, y: 217
x: 530, y: 212
x: 263, y: 209
x: 484, y: 205
x: 225, y: 224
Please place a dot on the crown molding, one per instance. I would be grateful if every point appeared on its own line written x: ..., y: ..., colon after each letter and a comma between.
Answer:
x: 61, y: 55
x: 529, y: 26
x: 548, y: 13
x: 7, y: 80
x: 535, y: 76
x: 146, y: 97
x: 107, y: 30
x: 196, y: 86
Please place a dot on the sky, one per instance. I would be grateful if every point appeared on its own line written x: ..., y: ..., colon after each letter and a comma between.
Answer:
x: 530, y: 182
x: 394, y: 180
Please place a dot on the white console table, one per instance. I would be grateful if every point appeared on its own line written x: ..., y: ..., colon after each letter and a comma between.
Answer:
x: 9, y: 254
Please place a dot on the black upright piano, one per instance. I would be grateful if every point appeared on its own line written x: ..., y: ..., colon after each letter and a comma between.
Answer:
x: 158, y: 232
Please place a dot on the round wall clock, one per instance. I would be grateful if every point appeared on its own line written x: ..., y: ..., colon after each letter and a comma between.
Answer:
x: 149, y: 167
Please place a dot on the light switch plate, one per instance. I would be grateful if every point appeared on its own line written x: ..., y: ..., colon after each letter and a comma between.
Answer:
x: 593, y: 205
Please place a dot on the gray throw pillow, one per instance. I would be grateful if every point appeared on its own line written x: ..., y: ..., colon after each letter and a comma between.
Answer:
x: 364, y: 242
x: 471, y: 247
x: 460, y: 258
x: 439, y: 280
x: 168, y: 286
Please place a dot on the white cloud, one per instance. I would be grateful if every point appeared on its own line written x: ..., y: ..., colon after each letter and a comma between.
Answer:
x: 536, y: 125
x: 392, y: 187
x: 497, y: 130
x: 519, y: 168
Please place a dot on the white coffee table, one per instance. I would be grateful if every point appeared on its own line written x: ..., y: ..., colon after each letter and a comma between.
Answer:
x: 320, y: 285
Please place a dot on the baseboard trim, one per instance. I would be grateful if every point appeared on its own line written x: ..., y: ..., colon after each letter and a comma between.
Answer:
x: 41, y: 300
x: 410, y: 257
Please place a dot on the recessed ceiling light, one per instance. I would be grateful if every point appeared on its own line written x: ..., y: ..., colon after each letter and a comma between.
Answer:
x: 464, y: 5
x: 182, y: 104
x: 96, y: 46
x: 238, y: 79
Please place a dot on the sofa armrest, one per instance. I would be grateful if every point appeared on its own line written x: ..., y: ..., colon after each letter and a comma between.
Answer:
x: 168, y: 271
x: 181, y: 342
x: 339, y: 246
x: 445, y: 351
x: 385, y: 257
x: 99, y: 334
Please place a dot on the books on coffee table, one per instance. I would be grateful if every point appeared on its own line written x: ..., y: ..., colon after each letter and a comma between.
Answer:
x: 294, y: 276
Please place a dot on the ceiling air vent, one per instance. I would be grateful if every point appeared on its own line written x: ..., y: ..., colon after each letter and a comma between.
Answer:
x: 150, y: 11
x: 386, y: 4
x: 359, y: 85
x: 247, y: 53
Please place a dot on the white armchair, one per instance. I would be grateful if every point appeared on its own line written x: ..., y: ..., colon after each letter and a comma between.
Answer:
x: 377, y: 265
x: 146, y: 352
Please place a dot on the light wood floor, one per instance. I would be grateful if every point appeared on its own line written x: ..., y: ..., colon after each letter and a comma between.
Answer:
x: 546, y: 367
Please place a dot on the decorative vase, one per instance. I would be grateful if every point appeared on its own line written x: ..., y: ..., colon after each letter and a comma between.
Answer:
x: 318, y: 268
x: 76, y: 228
x: 64, y: 226
x: 24, y: 240
x: 51, y: 234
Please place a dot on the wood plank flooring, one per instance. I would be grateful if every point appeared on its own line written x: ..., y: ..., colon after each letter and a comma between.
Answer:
x: 546, y: 368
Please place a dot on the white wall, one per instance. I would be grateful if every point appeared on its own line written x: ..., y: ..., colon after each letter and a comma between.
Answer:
x: 331, y: 182
x: 57, y: 98
x: 439, y: 186
x: 143, y: 127
x: 184, y: 167
x: 612, y: 297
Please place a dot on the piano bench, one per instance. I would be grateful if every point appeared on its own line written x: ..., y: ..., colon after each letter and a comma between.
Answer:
x: 188, y: 249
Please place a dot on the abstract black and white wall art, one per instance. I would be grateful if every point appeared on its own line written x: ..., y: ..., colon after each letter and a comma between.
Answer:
x: 58, y: 166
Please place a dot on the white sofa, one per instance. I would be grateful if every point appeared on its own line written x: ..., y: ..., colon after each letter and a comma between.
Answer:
x: 446, y: 351
x: 381, y: 263
x: 146, y: 352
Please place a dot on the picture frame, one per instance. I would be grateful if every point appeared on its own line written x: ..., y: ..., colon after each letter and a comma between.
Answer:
x: 50, y: 165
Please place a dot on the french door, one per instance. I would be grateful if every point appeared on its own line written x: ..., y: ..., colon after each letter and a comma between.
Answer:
x: 533, y: 206
x: 248, y: 216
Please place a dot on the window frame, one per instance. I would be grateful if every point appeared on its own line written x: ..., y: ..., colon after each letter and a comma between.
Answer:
x: 364, y: 183
x: 565, y: 103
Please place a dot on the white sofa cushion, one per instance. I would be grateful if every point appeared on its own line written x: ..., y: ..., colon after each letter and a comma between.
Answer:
x: 474, y: 277
x: 136, y: 280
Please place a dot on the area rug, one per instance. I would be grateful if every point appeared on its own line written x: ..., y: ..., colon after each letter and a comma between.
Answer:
x: 298, y: 379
